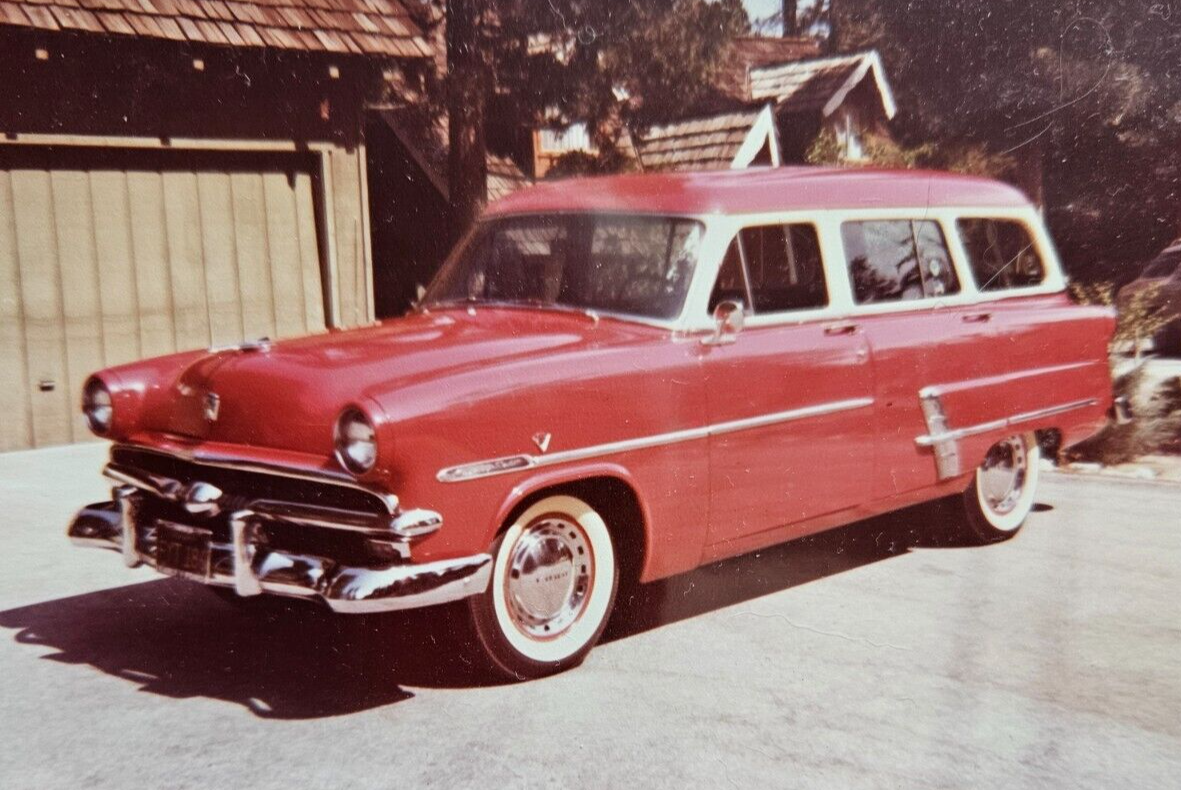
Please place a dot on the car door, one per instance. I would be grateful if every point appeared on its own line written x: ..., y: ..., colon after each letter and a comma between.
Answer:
x: 1044, y: 360
x: 790, y: 400
x: 902, y: 274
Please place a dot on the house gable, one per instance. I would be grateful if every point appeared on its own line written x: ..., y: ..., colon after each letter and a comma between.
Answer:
x: 822, y: 85
x: 717, y: 142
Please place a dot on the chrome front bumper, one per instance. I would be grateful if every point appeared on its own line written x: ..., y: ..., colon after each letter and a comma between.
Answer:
x: 252, y: 568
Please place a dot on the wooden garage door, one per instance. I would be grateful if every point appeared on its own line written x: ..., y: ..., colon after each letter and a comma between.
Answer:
x: 108, y: 256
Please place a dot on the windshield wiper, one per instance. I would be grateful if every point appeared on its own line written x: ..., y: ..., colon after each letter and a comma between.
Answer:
x: 531, y: 302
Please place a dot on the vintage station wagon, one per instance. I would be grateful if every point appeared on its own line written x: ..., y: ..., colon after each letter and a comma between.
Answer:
x: 617, y: 379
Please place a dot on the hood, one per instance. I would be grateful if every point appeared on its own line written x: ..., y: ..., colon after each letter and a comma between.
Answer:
x: 289, y: 394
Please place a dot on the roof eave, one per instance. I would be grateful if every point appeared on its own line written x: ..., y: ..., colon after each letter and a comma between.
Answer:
x: 871, y: 64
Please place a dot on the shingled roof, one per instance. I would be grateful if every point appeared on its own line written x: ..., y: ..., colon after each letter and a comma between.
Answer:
x: 369, y: 27
x: 751, y: 52
x: 820, y: 84
x: 715, y: 142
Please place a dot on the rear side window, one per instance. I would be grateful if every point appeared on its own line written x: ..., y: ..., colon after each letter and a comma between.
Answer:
x: 774, y: 268
x: 1001, y: 253
x: 898, y: 260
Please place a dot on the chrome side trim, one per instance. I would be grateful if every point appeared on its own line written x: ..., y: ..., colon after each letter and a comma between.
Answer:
x: 947, y: 452
x: 944, y: 440
x: 516, y: 463
x: 819, y: 410
x: 388, y: 500
x: 942, y: 389
x: 1005, y: 422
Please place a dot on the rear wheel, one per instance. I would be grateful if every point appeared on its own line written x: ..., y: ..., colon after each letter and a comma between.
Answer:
x: 553, y: 586
x: 1003, y: 488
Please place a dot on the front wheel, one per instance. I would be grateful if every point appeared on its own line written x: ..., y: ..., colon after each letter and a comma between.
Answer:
x: 553, y: 586
x: 1002, y: 491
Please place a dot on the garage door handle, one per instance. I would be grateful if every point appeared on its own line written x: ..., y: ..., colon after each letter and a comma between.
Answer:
x: 843, y: 328
x: 977, y: 318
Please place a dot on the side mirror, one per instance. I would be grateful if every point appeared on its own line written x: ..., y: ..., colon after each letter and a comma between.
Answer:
x: 729, y: 318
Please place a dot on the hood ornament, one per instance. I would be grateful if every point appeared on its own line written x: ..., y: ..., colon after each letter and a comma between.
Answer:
x: 542, y: 441
x: 212, y: 406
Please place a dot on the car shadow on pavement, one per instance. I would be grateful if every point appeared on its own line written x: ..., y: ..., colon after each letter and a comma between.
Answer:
x: 279, y: 659
x: 784, y: 566
x: 294, y: 660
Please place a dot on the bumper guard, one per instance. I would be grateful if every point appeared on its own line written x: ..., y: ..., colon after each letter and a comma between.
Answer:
x: 252, y: 568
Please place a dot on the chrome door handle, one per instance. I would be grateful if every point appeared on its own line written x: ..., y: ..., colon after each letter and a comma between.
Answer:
x: 842, y: 328
x: 977, y: 318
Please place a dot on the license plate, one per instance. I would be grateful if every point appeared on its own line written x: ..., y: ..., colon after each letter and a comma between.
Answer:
x: 183, y: 551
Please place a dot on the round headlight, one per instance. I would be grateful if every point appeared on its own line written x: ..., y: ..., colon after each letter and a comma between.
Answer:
x: 97, y: 406
x: 356, y: 441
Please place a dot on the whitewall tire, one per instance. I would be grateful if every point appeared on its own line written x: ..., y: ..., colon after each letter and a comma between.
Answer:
x: 1003, y: 488
x: 553, y: 586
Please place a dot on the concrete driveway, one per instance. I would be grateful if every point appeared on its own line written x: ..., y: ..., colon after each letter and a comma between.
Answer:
x: 879, y: 655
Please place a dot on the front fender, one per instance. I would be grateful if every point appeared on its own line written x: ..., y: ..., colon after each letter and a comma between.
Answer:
x: 547, y: 479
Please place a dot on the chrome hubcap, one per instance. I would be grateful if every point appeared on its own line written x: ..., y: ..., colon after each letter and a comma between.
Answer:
x: 1002, y: 475
x: 550, y: 572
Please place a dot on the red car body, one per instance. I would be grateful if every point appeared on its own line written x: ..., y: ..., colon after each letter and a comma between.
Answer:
x: 796, y: 426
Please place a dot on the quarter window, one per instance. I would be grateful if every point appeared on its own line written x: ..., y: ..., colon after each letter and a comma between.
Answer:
x: 898, y: 260
x: 1001, y: 253
x: 774, y: 268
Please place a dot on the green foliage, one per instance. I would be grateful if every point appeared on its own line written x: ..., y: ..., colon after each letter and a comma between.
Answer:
x: 581, y: 163
x: 537, y: 62
x: 1156, y: 427
x: 1086, y: 89
x: 1139, y: 317
x: 881, y: 151
x: 574, y: 57
x: 825, y: 150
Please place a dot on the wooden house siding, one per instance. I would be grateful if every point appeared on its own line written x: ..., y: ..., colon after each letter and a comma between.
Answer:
x: 107, y: 257
x: 150, y: 206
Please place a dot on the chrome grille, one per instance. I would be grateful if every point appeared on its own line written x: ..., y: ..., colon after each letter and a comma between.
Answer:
x: 247, y: 486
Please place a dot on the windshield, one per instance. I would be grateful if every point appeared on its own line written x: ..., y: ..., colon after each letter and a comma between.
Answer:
x: 632, y: 265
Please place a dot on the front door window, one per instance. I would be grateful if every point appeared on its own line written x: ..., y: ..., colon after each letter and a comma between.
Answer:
x: 773, y: 269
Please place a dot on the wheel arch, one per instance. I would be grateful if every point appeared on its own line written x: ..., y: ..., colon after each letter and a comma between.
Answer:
x: 609, y: 489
